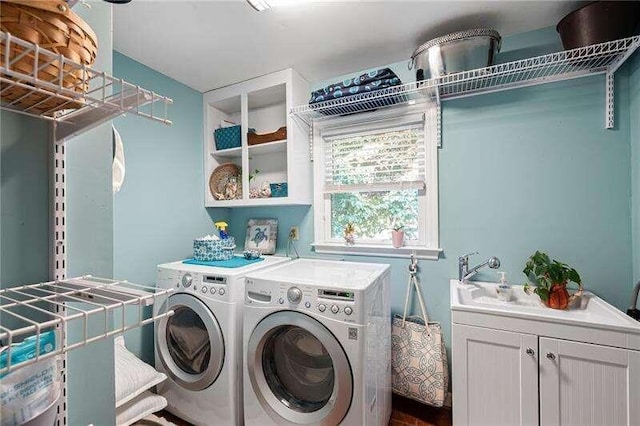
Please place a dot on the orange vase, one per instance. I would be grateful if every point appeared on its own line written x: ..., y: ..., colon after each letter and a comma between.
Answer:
x: 558, y: 296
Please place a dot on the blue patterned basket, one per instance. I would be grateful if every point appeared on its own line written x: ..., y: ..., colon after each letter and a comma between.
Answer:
x: 227, y: 137
x: 279, y: 189
x: 209, y: 250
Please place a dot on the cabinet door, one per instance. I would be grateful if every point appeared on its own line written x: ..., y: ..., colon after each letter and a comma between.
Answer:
x: 584, y: 384
x: 495, y: 377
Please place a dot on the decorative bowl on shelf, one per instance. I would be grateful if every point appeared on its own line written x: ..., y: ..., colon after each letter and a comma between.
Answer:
x: 455, y: 52
x: 222, y: 181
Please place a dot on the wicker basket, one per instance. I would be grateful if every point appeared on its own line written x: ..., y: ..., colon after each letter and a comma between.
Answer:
x: 52, y: 25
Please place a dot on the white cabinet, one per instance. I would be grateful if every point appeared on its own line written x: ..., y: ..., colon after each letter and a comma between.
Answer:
x: 495, y: 377
x: 585, y: 384
x: 500, y: 377
x: 261, y: 105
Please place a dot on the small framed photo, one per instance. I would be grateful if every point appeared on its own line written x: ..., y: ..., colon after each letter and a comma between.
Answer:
x: 262, y: 235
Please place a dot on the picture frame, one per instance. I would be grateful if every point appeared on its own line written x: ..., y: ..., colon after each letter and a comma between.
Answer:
x: 262, y: 235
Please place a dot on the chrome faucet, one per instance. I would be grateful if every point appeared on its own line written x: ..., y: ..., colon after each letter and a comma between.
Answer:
x: 464, y: 273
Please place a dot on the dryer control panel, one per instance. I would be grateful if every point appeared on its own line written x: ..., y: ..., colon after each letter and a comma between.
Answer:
x: 342, y: 304
x: 210, y: 286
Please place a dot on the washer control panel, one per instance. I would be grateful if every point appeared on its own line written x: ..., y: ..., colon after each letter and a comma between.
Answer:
x: 211, y: 286
x: 329, y: 302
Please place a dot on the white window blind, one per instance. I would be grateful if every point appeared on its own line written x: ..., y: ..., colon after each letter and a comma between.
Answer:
x: 376, y: 171
x: 384, y: 160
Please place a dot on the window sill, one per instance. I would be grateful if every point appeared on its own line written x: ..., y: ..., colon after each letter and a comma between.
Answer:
x: 376, y: 250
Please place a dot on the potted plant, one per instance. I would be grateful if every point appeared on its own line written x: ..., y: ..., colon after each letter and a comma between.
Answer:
x: 349, y: 233
x: 397, y: 235
x: 551, y: 278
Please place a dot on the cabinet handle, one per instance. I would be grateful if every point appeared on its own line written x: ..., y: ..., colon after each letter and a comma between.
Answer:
x: 551, y: 356
x: 530, y: 351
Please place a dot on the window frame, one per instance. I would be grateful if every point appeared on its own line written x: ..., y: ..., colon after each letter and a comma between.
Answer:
x: 427, y: 245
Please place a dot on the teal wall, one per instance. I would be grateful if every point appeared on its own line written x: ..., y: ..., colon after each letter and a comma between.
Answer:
x: 90, y: 374
x: 159, y: 209
x: 24, y: 200
x: 522, y: 170
x: 634, y: 113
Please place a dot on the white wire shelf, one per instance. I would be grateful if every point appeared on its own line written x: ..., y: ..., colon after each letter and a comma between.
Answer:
x: 104, y: 98
x: 94, y: 309
x: 568, y: 64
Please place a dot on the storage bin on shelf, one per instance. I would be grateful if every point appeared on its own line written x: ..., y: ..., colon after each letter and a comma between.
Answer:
x: 227, y: 137
x: 254, y: 138
x: 53, y: 26
x: 279, y: 189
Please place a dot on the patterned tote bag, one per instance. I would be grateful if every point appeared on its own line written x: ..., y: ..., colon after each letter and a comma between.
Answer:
x: 418, y: 357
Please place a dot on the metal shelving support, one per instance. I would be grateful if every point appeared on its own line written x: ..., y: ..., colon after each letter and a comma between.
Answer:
x: 105, y: 98
x: 604, y: 58
x: 83, y: 300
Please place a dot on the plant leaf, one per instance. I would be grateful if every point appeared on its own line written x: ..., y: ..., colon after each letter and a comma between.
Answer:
x: 543, y: 293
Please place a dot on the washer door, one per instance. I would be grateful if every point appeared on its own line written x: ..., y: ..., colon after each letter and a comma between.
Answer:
x: 298, y: 370
x: 190, y: 343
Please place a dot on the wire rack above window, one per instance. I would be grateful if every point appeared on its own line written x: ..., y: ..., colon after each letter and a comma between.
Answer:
x: 603, y: 58
x: 94, y: 98
x: 78, y: 311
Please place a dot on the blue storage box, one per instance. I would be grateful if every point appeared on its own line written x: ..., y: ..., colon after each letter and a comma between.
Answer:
x: 205, y: 250
x: 227, y: 137
x: 279, y: 189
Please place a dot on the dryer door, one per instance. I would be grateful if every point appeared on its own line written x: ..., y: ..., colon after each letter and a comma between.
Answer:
x: 190, y: 343
x: 298, y: 370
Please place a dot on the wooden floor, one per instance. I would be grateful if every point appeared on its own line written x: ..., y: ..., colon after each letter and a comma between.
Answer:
x: 405, y: 413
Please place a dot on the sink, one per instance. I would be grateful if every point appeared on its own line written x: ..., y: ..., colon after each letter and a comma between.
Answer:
x: 590, y: 310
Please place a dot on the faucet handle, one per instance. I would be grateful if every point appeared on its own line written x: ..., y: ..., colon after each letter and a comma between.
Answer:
x: 466, y: 256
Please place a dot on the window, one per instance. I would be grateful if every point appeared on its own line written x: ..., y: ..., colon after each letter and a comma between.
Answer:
x: 375, y: 171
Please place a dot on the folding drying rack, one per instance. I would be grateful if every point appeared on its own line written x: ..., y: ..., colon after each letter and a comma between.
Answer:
x: 98, y: 307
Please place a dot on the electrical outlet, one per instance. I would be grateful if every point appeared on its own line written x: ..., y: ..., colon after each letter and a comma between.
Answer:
x: 294, y: 233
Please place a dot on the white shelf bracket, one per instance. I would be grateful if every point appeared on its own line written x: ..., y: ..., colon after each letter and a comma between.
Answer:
x: 609, y: 100
x: 311, y: 141
x: 58, y: 250
x: 438, y: 118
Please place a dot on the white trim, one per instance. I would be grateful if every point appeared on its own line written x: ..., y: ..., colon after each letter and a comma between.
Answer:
x: 428, y: 230
x: 377, y: 250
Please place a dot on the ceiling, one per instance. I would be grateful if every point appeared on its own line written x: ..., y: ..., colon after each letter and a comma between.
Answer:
x: 210, y: 44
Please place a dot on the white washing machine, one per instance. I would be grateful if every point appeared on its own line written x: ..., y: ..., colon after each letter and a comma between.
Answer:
x: 317, y: 344
x: 199, y: 347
